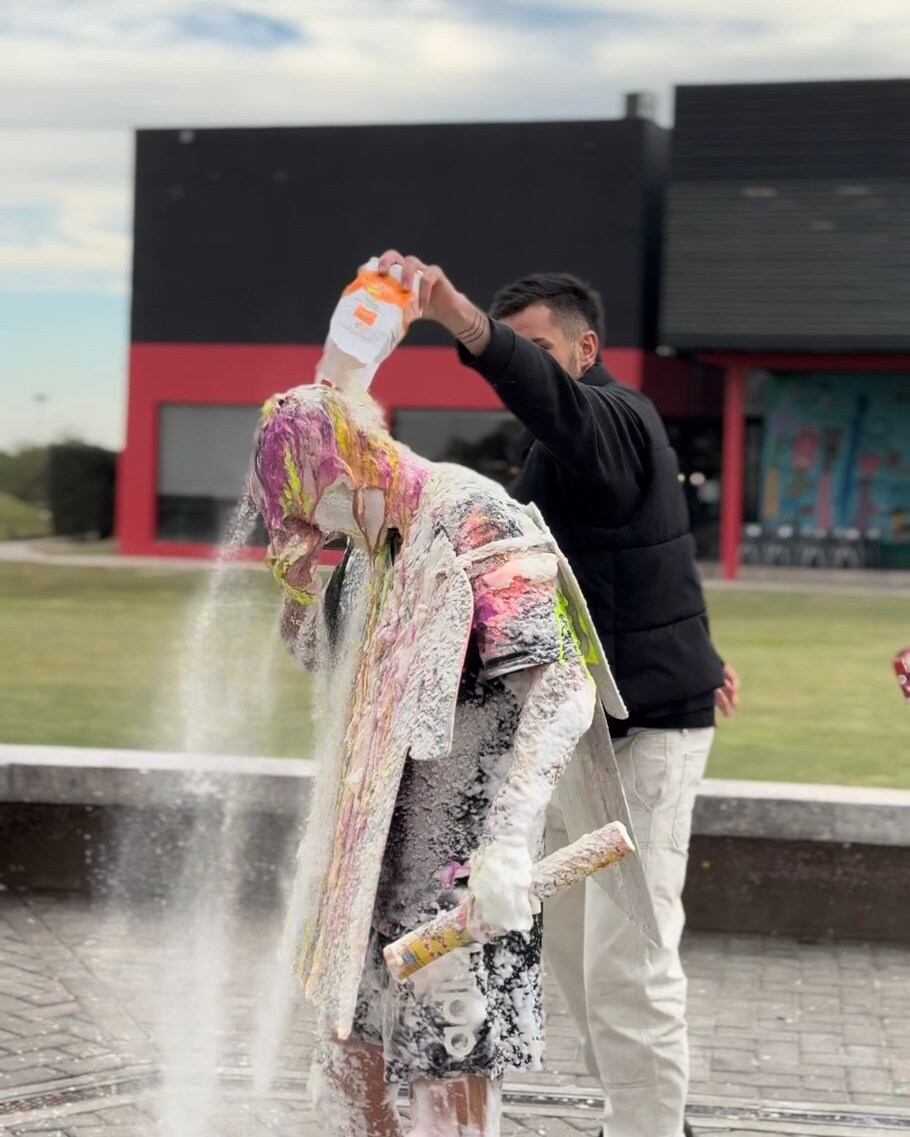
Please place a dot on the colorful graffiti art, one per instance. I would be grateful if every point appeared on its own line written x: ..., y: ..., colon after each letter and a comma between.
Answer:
x: 837, y: 453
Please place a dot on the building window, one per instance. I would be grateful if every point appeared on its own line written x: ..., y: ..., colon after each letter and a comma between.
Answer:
x: 203, y: 459
x: 204, y: 455
x: 489, y: 442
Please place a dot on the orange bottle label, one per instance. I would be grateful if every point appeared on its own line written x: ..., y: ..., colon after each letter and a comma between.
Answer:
x: 365, y: 315
x: 382, y: 288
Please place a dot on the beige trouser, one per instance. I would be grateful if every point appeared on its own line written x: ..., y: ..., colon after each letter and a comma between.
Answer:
x: 627, y: 996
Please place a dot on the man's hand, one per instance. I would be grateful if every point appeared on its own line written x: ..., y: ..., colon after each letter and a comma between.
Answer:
x: 726, y: 698
x: 440, y: 301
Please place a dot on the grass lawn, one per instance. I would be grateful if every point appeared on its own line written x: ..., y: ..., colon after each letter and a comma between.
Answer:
x: 820, y: 702
x: 20, y: 520
x: 90, y: 657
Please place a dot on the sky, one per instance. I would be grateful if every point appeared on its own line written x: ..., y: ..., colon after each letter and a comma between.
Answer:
x: 78, y: 76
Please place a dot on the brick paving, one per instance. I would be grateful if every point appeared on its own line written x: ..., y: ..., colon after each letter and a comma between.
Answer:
x: 825, y: 1027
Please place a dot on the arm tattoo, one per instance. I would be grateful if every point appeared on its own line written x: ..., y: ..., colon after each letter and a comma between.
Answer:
x: 476, y: 330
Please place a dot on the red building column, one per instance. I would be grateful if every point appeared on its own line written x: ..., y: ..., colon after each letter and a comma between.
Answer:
x: 733, y: 471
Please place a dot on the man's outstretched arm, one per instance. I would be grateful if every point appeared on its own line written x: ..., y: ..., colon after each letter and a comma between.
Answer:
x: 591, y: 432
x: 441, y: 302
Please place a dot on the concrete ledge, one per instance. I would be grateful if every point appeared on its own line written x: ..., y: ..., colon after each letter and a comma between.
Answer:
x: 788, y: 811
x: 782, y: 811
x: 812, y: 861
x: 810, y: 889
x: 69, y: 775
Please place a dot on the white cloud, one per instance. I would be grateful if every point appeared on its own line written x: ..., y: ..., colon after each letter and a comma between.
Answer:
x: 96, y: 64
x: 778, y: 47
x: 78, y: 181
x: 76, y: 76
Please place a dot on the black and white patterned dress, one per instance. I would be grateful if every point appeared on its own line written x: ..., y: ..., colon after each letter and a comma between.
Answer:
x: 478, y: 1010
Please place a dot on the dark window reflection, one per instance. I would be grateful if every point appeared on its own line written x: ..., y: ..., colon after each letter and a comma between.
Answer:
x: 200, y: 520
x: 490, y: 442
x: 698, y: 442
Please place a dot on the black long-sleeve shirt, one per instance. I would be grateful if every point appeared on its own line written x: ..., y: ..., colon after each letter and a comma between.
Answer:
x: 598, y: 469
x: 588, y: 426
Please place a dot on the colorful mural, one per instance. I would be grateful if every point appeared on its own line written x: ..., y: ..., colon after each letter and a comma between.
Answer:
x: 837, y: 453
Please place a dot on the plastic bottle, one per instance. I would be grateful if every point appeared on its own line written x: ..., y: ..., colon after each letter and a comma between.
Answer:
x: 369, y: 321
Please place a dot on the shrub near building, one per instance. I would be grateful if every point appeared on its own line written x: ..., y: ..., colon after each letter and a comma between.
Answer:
x: 23, y: 493
x: 81, y: 490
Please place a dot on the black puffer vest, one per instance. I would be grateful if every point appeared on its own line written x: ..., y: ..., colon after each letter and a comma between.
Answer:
x: 638, y: 575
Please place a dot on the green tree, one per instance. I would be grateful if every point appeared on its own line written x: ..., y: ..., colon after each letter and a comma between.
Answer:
x: 24, y: 473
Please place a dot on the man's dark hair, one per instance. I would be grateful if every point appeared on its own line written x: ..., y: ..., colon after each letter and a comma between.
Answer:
x: 565, y: 295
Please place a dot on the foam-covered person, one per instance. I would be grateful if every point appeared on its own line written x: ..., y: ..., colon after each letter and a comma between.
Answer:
x: 452, y: 692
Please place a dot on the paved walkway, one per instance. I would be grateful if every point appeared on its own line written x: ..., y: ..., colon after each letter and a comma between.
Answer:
x: 788, y: 1038
x: 760, y: 578
x: 51, y: 552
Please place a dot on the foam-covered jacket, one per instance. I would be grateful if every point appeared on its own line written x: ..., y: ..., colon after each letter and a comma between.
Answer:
x: 397, y: 665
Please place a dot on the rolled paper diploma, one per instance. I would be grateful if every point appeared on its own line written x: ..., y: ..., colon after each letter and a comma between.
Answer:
x: 449, y: 930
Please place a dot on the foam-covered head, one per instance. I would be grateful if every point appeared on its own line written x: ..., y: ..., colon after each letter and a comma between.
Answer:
x: 325, y: 460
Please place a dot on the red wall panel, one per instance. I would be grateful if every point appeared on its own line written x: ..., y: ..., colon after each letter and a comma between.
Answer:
x: 246, y: 375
